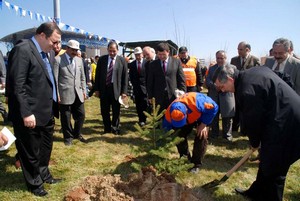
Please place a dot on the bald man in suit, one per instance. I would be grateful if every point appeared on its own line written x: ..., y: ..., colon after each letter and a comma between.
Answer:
x: 244, y: 60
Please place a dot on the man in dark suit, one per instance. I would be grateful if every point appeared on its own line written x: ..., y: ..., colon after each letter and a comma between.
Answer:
x: 149, y: 55
x: 32, y: 102
x: 165, y: 76
x: 111, y: 81
x: 70, y: 77
x: 244, y: 61
x: 272, y: 122
x: 137, y: 78
x: 284, y: 64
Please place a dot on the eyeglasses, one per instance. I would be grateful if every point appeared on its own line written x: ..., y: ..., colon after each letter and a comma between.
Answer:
x: 54, y: 42
x: 219, y: 86
x: 74, y: 50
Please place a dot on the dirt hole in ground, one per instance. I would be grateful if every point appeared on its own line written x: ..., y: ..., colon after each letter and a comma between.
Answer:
x: 143, y: 186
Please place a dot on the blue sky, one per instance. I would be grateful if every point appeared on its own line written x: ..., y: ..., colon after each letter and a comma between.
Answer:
x: 204, y: 26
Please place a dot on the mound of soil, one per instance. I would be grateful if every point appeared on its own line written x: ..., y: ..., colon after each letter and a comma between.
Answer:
x: 143, y: 186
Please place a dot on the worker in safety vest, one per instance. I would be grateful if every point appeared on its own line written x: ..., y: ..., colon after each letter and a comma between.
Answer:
x: 186, y: 112
x: 192, y: 70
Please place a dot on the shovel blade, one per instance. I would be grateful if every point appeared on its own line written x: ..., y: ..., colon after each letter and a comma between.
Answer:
x: 215, y: 183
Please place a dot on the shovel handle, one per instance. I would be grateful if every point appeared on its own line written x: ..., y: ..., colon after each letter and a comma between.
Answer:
x: 240, y: 163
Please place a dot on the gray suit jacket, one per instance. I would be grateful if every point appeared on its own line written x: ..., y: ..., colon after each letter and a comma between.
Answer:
x: 225, y: 100
x: 69, y: 84
x: 250, y: 62
x: 292, y: 69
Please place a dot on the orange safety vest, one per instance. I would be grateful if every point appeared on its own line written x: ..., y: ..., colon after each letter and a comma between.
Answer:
x: 189, y: 72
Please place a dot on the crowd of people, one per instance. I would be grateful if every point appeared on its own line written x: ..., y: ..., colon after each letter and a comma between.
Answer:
x: 43, y: 82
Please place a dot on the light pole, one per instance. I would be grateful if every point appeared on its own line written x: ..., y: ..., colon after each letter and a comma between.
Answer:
x: 56, y: 4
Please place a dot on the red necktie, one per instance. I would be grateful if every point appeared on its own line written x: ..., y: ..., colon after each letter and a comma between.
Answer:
x: 164, y: 67
x: 109, y: 72
x: 139, y: 67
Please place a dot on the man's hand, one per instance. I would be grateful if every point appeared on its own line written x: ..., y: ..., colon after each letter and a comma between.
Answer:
x: 3, y: 140
x: 2, y: 86
x: 202, y: 131
x: 97, y: 94
x: 29, y: 121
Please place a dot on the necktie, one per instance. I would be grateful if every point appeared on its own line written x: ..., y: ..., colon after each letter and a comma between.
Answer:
x: 50, y: 73
x: 73, y: 65
x: 164, y: 67
x: 277, y: 67
x: 109, y: 72
x: 243, y: 62
x: 139, y: 67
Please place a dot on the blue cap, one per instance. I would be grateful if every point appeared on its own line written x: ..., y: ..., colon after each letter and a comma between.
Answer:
x: 178, y: 113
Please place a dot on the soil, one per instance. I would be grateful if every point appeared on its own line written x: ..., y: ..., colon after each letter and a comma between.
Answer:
x: 143, y: 186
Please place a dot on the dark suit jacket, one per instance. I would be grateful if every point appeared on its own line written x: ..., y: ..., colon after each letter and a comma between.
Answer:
x: 291, y: 69
x: 269, y: 114
x: 120, y: 76
x: 29, y: 88
x: 250, y: 62
x: 159, y: 85
x: 138, y: 81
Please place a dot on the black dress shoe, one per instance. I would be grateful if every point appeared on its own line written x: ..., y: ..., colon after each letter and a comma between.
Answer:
x: 39, y: 192
x: 116, y: 131
x: 241, y: 192
x: 81, y: 139
x: 68, y: 143
x: 53, y: 181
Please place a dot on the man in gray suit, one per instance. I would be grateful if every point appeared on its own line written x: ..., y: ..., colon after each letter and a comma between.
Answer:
x: 285, y: 65
x: 225, y: 100
x: 70, y: 76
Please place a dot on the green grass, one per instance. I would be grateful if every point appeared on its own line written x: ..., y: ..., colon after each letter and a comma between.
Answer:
x: 106, y: 154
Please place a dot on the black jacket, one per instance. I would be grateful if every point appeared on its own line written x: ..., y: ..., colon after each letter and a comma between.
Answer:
x: 270, y: 115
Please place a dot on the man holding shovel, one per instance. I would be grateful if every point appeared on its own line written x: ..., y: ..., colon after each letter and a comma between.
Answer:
x: 186, y: 112
x: 270, y: 116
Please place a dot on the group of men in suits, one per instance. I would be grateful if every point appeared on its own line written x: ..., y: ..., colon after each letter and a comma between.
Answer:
x: 155, y: 78
x: 228, y: 107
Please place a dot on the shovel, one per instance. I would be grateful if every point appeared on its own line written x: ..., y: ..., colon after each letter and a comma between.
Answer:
x: 229, y: 173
